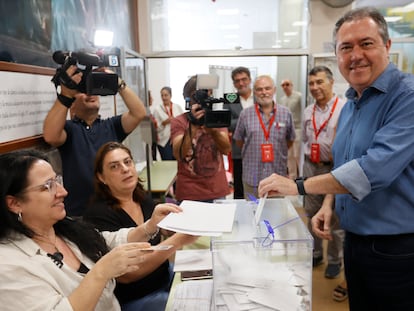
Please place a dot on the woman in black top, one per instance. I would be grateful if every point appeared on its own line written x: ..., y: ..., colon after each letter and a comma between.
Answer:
x: 122, y: 202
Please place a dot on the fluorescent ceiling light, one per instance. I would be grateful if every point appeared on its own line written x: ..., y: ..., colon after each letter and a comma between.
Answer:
x: 392, y: 19
x: 103, y: 38
x: 403, y: 9
x: 299, y: 23
x: 290, y: 33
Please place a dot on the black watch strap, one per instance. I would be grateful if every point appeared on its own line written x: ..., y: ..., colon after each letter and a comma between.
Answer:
x: 300, y: 184
x: 65, y: 101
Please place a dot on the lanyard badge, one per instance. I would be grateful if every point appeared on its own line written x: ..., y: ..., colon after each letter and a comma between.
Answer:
x: 267, y: 153
x: 315, y: 153
x: 267, y: 149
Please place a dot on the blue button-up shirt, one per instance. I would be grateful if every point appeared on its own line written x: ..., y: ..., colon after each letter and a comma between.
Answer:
x: 374, y: 157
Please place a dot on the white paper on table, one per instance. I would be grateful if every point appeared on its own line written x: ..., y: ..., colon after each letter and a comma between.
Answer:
x: 193, y: 296
x: 200, y: 218
x: 193, y: 260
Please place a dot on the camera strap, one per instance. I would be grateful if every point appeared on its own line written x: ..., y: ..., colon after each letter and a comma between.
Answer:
x: 194, y: 120
x: 65, y: 101
x: 61, y: 77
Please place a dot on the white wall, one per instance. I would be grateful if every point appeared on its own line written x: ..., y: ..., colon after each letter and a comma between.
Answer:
x: 322, y: 21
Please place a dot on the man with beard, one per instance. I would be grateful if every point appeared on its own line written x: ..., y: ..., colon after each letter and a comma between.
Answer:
x: 264, y: 131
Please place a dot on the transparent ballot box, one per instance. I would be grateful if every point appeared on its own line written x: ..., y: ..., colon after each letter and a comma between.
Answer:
x: 264, y: 264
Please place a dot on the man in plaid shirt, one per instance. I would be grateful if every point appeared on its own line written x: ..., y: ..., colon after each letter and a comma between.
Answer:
x: 264, y: 131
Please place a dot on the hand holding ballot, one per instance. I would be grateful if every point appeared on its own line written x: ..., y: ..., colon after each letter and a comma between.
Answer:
x: 202, y: 219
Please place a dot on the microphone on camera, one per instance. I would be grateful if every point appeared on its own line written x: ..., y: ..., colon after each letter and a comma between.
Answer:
x: 86, y: 59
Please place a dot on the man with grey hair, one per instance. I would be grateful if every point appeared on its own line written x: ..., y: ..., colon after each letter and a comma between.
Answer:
x: 319, y: 126
x: 264, y: 131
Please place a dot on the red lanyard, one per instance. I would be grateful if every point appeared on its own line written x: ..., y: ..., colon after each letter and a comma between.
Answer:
x: 169, y: 111
x: 317, y: 132
x: 265, y: 131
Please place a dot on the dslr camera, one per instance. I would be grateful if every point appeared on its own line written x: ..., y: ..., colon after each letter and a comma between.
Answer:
x: 93, y: 82
x: 214, y: 117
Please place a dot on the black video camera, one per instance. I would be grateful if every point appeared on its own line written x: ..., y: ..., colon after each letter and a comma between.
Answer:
x: 93, y: 82
x: 213, y: 118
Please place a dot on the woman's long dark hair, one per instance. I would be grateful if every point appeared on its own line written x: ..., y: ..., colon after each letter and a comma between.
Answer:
x: 102, y: 191
x: 14, y: 169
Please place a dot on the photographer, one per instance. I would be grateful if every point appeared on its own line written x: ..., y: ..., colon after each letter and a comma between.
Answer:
x: 78, y: 139
x: 199, y: 151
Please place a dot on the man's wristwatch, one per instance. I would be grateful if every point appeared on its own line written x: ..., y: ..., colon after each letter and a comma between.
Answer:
x: 300, y: 184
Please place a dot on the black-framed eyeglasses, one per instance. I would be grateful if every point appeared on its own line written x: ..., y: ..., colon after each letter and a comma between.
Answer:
x: 286, y: 84
x: 50, y: 185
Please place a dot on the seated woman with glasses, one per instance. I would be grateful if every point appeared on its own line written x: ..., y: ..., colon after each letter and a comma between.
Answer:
x: 50, y: 261
x: 121, y: 201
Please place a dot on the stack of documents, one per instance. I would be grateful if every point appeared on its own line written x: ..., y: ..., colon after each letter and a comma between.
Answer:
x: 193, y: 296
x: 202, y: 219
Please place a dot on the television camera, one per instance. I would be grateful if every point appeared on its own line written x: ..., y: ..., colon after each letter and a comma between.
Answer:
x: 214, y: 117
x: 93, y: 82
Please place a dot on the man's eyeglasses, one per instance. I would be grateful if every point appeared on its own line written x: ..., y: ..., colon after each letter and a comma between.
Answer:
x: 50, y: 185
x: 286, y: 84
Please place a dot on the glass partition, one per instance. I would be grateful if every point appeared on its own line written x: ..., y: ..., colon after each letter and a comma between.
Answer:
x: 228, y: 25
x: 175, y: 71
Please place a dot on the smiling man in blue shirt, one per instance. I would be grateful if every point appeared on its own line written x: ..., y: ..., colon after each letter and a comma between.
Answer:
x: 373, y: 175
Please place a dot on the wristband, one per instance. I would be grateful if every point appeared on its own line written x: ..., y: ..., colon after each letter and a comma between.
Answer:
x: 149, y: 235
x: 65, y: 101
x: 300, y: 184
x: 122, y: 85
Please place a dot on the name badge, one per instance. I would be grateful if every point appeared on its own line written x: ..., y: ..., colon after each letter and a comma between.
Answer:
x: 267, y: 153
x: 315, y: 153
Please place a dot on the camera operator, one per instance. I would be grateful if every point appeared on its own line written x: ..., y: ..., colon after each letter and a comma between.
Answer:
x: 78, y: 139
x: 199, y: 151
